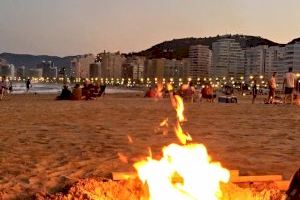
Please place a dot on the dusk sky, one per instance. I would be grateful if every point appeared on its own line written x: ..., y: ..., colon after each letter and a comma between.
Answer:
x: 68, y: 27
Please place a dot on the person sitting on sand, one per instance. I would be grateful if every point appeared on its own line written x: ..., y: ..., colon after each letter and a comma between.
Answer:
x: 208, y: 93
x: 66, y: 94
x: 150, y: 93
x: 96, y: 88
x: 88, y: 91
x: 228, y: 90
x: 102, y: 90
x: 77, y: 93
x: 189, y: 92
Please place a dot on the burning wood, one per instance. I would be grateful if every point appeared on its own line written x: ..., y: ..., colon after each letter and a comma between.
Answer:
x: 117, y: 176
x: 265, y: 178
x: 234, y: 174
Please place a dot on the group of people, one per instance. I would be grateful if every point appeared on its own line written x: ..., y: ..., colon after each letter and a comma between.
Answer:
x: 6, y: 86
x: 289, y: 86
x: 88, y: 91
x: 187, y: 91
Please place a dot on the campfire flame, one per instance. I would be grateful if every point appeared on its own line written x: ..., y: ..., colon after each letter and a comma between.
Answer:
x: 164, y: 123
x: 122, y: 158
x: 185, y: 172
x: 130, y: 140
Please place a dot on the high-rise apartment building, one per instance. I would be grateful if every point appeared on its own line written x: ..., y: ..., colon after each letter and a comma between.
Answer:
x: 49, y: 70
x: 6, y: 69
x: 292, y: 56
x: 176, y: 69
x: 111, y: 64
x: 166, y: 69
x: 256, y: 61
x: 200, y: 61
x: 228, y: 59
x: 95, y: 70
x: 274, y: 62
x: 21, y: 72
x: 81, y: 65
x: 154, y: 68
x: 134, y: 67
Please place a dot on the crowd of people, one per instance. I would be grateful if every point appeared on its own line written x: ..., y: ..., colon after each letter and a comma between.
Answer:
x: 208, y: 92
x: 88, y: 91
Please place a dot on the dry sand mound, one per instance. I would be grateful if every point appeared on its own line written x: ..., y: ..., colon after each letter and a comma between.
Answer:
x: 91, y: 189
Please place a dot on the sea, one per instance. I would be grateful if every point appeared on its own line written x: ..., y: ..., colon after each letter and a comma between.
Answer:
x: 55, y: 88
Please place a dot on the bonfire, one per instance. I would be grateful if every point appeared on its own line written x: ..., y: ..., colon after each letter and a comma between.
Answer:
x: 184, y: 172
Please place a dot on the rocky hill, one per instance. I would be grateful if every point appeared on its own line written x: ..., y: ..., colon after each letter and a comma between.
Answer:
x: 178, y: 48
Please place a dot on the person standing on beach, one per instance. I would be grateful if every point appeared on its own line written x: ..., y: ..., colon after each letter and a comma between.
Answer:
x: 254, y: 91
x: 3, y: 87
x: 28, y: 85
x: 10, y: 86
x: 272, y: 88
x: 289, y: 85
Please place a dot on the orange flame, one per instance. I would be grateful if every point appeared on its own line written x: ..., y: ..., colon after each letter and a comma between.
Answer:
x: 164, y: 123
x: 150, y: 152
x: 159, y: 90
x: 179, y: 108
x: 184, y: 172
x: 185, y: 86
x: 123, y: 158
x: 183, y: 137
x: 169, y: 87
x: 130, y: 141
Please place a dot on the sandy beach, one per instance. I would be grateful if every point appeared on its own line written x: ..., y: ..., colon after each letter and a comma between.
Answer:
x: 46, y: 144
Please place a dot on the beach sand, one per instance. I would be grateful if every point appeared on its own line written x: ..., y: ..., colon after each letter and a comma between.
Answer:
x: 47, y: 144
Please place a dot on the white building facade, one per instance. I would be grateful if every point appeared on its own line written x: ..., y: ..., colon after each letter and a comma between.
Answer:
x: 200, y: 61
x: 292, y: 56
x: 256, y: 61
x: 111, y: 65
x: 275, y: 62
x: 228, y: 59
x: 81, y: 65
